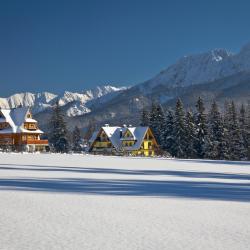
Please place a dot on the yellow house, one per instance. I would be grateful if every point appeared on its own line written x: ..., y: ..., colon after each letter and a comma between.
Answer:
x: 124, y: 141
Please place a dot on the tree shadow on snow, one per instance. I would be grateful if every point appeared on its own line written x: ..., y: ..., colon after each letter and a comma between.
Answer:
x: 118, y: 171
x: 153, y: 188
x: 216, y: 189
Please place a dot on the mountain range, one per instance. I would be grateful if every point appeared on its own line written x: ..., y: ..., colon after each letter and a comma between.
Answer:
x: 74, y: 104
x: 214, y: 75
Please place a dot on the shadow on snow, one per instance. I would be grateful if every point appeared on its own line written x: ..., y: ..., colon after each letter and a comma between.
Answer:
x: 218, y: 190
x: 92, y: 170
x: 184, y: 189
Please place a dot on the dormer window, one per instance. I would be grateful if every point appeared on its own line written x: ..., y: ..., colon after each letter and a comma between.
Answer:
x: 29, y: 115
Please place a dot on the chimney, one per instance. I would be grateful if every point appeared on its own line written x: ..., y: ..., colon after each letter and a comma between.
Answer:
x: 130, y: 126
x: 124, y: 125
x: 120, y: 133
x: 106, y: 125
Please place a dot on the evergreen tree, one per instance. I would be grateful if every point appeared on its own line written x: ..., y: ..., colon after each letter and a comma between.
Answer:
x: 144, y: 118
x: 76, y: 140
x: 157, y: 121
x: 58, y: 131
x: 179, y: 132
x: 243, y: 130
x: 234, y: 138
x: 201, y: 130
x: 216, y: 148
x: 248, y: 129
x: 167, y: 134
x: 190, y: 135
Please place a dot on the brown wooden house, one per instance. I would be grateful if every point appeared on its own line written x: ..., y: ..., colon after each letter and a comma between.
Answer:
x: 19, y: 130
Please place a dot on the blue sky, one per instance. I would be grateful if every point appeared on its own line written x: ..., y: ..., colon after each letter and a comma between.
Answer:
x: 75, y: 45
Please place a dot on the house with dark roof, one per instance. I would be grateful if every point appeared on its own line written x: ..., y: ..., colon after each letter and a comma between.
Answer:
x: 136, y: 141
x: 19, y: 130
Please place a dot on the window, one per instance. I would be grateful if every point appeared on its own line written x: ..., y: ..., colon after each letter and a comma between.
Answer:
x: 3, y: 125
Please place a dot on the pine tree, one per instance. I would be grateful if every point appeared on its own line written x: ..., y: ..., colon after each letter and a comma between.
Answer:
x: 234, y: 139
x: 248, y: 129
x: 167, y: 134
x: 58, y: 131
x: 144, y: 118
x: 243, y: 130
x: 190, y: 135
x: 216, y: 148
x: 179, y: 132
x: 201, y: 130
x: 157, y: 121
x: 76, y: 140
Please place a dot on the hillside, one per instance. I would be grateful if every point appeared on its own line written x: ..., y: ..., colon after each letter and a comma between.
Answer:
x: 214, y: 75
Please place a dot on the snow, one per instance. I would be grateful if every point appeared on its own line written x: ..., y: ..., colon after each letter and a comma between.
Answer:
x: 96, y: 202
x: 44, y: 100
x: 200, y: 68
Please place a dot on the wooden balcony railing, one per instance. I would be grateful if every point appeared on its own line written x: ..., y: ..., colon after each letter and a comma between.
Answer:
x: 37, y: 142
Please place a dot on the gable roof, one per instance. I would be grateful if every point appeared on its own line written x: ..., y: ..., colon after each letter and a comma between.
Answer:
x: 113, y: 133
x: 139, y: 134
x: 16, y: 118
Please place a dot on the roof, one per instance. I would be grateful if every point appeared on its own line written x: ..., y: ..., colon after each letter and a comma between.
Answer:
x: 16, y: 118
x: 139, y: 134
x: 30, y: 120
x: 113, y: 133
x: 93, y: 137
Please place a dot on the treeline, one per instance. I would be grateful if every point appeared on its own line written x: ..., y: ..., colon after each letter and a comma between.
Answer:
x: 201, y: 134
x: 61, y: 140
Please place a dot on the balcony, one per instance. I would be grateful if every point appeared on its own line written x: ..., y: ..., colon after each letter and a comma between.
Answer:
x: 36, y: 142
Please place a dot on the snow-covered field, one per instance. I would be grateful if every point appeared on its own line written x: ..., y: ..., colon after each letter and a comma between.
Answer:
x: 96, y: 202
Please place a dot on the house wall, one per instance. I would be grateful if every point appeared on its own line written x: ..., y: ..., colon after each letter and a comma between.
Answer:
x: 102, y: 144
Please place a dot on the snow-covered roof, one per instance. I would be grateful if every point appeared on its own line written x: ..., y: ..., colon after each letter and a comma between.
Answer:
x: 139, y: 134
x: 16, y: 118
x: 93, y: 137
x: 30, y: 120
x: 113, y: 133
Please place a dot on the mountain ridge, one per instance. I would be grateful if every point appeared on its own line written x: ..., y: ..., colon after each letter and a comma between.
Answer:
x: 42, y: 100
x: 215, y: 74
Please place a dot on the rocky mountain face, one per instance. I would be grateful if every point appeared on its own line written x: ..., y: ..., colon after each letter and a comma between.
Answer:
x: 76, y: 103
x: 202, y: 68
x: 215, y: 75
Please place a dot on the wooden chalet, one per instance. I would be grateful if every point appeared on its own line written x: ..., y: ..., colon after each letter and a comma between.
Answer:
x: 136, y: 141
x: 20, y: 131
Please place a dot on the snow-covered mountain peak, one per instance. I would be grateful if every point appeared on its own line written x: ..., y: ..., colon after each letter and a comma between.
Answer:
x: 201, y: 68
x: 43, y: 100
x: 220, y: 54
